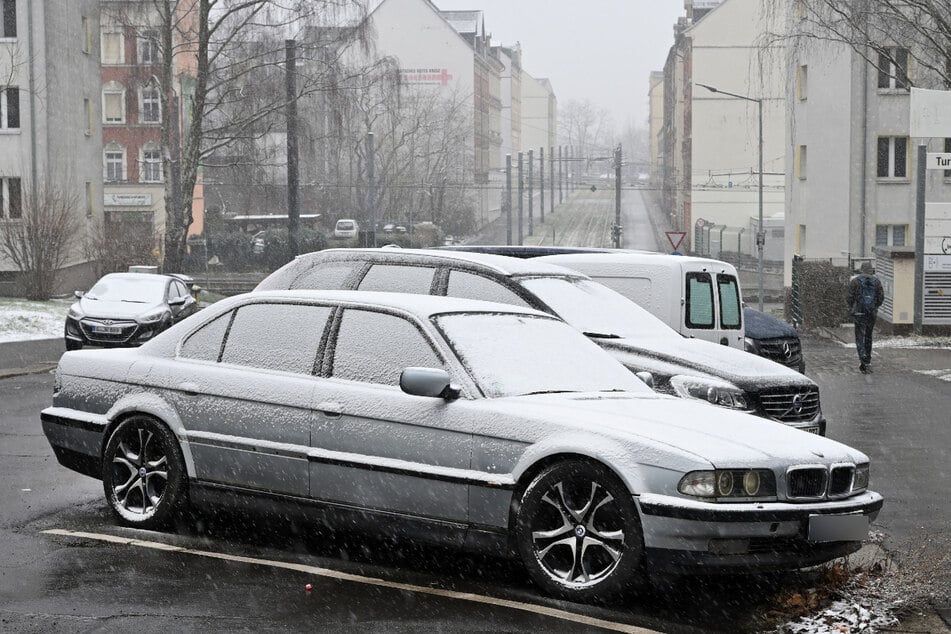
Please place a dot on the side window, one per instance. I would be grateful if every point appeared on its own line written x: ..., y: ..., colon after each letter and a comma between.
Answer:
x: 205, y: 344
x: 281, y: 337
x: 471, y: 286
x: 394, y: 278
x: 327, y: 277
x: 699, y: 300
x: 181, y: 290
x: 376, y: 347
x: 730, y: 315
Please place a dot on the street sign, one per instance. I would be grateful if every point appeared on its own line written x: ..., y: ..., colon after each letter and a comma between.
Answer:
x: 939, y: 160
x: 676, y: 238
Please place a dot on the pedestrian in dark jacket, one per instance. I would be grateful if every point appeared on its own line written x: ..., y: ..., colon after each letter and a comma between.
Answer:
x: 865, y: 296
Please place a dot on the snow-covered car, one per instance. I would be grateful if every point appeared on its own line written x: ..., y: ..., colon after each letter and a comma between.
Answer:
x: 127, y: 309
x: 463, y: 422
x: 773, y: 338
x: 690, y: 368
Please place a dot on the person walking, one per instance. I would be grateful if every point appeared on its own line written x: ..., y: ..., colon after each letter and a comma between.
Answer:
x: 865, y: 296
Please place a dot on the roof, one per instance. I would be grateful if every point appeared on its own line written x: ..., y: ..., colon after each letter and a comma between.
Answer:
x: 463, y: 21
x: 422, y: 306
x: 498, y: 263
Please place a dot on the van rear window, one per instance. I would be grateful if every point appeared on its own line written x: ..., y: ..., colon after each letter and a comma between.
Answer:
x: 730, y: 314
x: 699, y: 300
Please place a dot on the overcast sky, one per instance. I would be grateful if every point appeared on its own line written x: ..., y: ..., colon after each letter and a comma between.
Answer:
x: 603, y: 50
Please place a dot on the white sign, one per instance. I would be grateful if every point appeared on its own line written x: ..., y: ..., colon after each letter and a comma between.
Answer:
x: 938, y: 263
x: 930, y: 113
x: 127, y: 200
x: 939, y: 161
x: 938, y: 229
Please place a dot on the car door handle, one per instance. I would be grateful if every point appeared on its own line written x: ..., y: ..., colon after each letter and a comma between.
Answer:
x: 189, y: 388
x: 331, y: 410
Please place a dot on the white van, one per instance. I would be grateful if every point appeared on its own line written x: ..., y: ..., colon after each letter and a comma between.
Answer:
x: 346, y: 228
x: 697, y: 297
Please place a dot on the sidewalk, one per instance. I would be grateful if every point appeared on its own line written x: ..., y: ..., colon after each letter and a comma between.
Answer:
x: 29, y: 356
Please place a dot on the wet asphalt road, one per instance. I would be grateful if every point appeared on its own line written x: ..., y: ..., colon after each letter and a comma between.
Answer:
x: 68, y: 582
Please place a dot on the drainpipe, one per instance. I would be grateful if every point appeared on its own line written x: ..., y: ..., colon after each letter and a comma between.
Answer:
x: 32, y: 85
x: 863, y: 194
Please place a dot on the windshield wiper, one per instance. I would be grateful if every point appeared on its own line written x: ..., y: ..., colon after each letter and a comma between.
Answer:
x: 549, y: 392
x: 134, y: 301
x: 602, y: 335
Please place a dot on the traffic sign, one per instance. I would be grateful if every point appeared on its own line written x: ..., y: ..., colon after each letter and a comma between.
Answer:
x: 675, y: 238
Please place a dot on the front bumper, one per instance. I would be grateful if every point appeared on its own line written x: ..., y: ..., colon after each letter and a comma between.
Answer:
x: 682, y: 534
x: 125, y: 333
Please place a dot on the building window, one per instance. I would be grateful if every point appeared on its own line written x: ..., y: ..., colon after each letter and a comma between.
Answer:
x: 113, y: 45
x: 890, y: 235
x: 87, y: 116
x: 892, y: 157
x: 87, y: 35
x: 9, y: 108
x: 114, y: 162
x: 90, y: 192
x: 801, y: 158
x: 9, y: 26
x: 801, y: 239
x: 151, y: 104
x: 151, y: 165
x: 802, y: 79
x: 11, y: 201
x: 893, y: 68
x: 113, y: 103
x: 148, y: 48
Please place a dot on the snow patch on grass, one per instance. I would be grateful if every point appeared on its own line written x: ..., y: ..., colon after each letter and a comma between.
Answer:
x: 22, y: 319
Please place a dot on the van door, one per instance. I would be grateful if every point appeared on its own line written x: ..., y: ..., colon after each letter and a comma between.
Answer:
x: 711, y: 309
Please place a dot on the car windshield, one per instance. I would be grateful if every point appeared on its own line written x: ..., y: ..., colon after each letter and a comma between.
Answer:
x: 138, y: 290
x: 511, y: 355
x: 596, y: 310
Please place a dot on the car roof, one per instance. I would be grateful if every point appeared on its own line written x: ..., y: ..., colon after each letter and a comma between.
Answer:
x: 420, y: 305
x: 498, y: 263
x: 620, y: 257
x: 141, y: 276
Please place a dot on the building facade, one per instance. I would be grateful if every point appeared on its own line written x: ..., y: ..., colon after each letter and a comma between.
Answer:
x: 50, y: 133
x: 511, y: 98
x: 539, y: 114
x: 655, y: 126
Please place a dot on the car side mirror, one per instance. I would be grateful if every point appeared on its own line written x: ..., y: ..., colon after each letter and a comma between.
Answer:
x: 177, y: 301
x: 647, y: 378
x: 79, y: 294
x: 430, y: 382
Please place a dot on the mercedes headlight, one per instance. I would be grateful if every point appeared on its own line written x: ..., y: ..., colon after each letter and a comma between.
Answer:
x: 710, y: 390
x: 74, y: 312
x: 155, y: 315
x: 750, y: 345
x: 729, y: 484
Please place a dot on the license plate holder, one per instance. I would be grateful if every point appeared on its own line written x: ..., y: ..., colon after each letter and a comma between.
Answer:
x: 107, y: 330
x: 838, y: 528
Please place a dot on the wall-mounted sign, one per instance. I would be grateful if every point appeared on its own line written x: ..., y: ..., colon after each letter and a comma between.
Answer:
x: 127, y: 200
x: 939, y: 161
x: 425, y: 76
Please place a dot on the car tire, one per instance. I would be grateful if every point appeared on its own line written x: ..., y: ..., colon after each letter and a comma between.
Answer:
x: 578, y: 533
x: 143, y: 473
x: 73, y: 345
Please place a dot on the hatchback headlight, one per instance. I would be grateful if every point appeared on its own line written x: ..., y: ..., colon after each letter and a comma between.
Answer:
x: 729, y: 484
x: 860, y: 481
x: 74, y: 312
x: 155, y: 315
x: 710, y: 390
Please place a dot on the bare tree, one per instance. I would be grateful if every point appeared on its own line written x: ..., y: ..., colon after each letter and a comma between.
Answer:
x: 891, y: 35
x: 209, y: 53
x: 586, y: 127
x: 110, y: 251
x: 39, y: 237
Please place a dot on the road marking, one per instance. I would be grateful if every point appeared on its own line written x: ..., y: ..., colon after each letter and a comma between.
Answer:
x: 373, y: 581
x: 944, y: 375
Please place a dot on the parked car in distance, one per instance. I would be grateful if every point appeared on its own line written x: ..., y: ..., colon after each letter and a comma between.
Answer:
x: 689, y: 368
x: 773, y: 338
x: 346, y: 228
x: 127, y: 309
x: 467, y: 423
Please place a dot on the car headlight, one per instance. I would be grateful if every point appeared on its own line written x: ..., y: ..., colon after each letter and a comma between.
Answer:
x: 729, y: 484
x: 750, y: 345
x: 74, y: 312
x: 710, y: 390
x: 155, y: 315
x: 860, y: 481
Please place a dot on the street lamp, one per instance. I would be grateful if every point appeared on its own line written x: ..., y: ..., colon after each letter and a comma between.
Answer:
x: 760, y: 233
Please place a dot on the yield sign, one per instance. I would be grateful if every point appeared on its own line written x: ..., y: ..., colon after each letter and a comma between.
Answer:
x: 676, y: 238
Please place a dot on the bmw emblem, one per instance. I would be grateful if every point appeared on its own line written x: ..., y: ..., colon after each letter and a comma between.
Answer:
x: 580, y: 531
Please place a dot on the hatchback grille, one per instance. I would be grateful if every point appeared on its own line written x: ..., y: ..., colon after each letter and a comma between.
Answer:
x: 809, y: 482
x: 126, y: 331
x: 841, y: 481
x: 787, y: 351
x: 794, y: 405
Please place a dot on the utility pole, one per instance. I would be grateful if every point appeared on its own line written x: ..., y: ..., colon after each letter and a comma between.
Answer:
x: 561, y: 174
x: 531, y: 190
x: 616, y: 230
x: 521, y: 188
x: 551, y: 178
x: 541, y: 181
x: 508, y: 199
x: 569, y: 183
x: 293, y: 165
x: 371, y: 188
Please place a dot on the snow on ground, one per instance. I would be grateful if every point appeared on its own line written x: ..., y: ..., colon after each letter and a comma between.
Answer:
x: 21, y: 319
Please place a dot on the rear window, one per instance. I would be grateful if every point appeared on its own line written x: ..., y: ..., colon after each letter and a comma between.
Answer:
x: 730, y: 311
x: 699, y: 300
